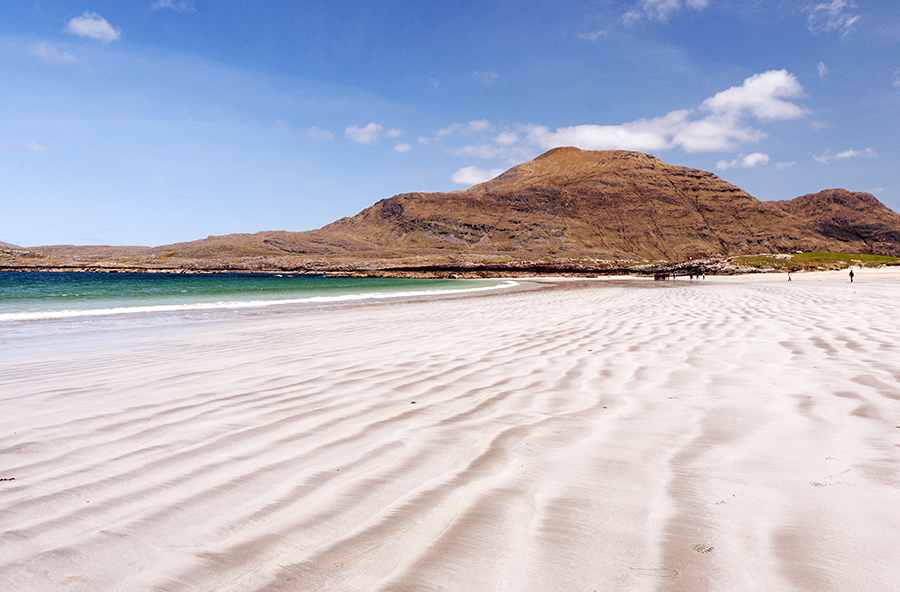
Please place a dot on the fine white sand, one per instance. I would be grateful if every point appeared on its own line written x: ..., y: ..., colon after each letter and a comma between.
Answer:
x: 736, y: 433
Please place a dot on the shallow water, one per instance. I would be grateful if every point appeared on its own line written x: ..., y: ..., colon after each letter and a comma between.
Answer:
x: 51, y: 295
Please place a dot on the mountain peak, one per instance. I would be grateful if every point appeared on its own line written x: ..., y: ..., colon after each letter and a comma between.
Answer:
x: 569, y: 164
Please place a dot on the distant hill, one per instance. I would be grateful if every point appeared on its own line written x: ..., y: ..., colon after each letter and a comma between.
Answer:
x: 4, y: 245
x: 565, y: 205
x: 848, y: 216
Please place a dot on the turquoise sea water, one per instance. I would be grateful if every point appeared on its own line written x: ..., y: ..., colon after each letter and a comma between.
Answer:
x: 43, y: 295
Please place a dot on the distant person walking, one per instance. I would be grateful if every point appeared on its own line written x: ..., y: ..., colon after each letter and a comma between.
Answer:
x: 851, y: 276
x: 789, y: 276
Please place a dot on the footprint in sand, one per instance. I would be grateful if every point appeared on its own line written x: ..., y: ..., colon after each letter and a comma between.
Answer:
x: 702, y: 548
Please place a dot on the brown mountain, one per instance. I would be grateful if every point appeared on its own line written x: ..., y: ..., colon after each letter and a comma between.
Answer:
x: 850, y: 217
x: 567, y: 204
x: 610, y: 204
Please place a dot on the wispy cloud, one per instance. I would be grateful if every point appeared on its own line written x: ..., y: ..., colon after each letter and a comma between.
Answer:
x: 24, y: 148
x: 896, y: 81
x: 471, y: 175
x: 593, y: 35
x: 744, y: 162
x: 48, y: 53
x: 487, y: 77
x: 94, y: 26
x: 476, y: 126
x: 317, y: 133
x: 402, y: 148
x: 364, y: 135
x: 35, y: 147
x: 180, y: 6
x: 785, y: 164
x: 661, y: 10
x: 828, y: 156
x: 831, y: 16
x: 823, y: 70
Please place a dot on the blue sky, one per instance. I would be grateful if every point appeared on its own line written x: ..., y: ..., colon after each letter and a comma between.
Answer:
x: 156, y: 121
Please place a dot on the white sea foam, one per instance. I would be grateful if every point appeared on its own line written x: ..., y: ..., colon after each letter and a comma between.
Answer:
x: 240, y: 304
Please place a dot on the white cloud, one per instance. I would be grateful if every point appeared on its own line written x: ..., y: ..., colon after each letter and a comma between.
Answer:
x: 471, y: 175
x: 831, y: 16
x: 785, y: 164
x: 828, y: 157
x: 317, y: 133
x: 401, y: 148
x: 4, y: 149
x: 643, y: 135
x: 661, y: 10
x: 721, y: 128
x: 34, y: 147
x: 762, y: 96
x: 180, y: 6
x: 51, y: 55
x: 394, y: 133
x: 506, y: 138
x: 823, y: 70
x: 364, y: 135
x: 744, y: 162
x: 94, y: 26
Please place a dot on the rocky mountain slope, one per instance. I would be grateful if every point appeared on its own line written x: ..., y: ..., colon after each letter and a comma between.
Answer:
x: 610, y: 205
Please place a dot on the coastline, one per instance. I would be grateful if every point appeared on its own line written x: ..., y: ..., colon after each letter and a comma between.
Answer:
x: 735, y: 433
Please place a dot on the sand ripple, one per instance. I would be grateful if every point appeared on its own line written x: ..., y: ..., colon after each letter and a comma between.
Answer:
x: 732, y: 434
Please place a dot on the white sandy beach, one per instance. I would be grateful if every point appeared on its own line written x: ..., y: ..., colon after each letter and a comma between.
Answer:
x: 732, y: 434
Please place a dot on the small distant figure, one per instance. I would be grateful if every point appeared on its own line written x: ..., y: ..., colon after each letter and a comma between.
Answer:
x: 851, y: 276
x: 673, y: 275
x: 789, y: 276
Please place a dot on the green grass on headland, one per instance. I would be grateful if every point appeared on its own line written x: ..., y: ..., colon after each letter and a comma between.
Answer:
x: 813, y: 261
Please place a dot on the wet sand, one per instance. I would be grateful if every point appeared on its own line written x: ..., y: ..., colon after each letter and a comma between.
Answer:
x: 738, y: 433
